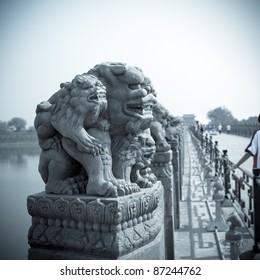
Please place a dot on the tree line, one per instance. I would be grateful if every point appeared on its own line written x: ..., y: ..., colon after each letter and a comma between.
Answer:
x: 221, y: 115
x: 16, y: 124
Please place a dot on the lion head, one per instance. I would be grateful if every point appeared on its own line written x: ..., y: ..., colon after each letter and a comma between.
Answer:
x: 130, y: 97
x: 81, y: 102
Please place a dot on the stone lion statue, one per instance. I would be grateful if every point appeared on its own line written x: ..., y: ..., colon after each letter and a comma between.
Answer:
x: 131, y: 98
x: 91, y: 120
x: 75, y: 116
x: 158, y: 127
x: 61, y: 173
x: 173, y: 127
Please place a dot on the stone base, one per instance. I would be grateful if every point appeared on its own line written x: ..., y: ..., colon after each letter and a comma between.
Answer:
x: 152, y: 251
x: 84, y: 227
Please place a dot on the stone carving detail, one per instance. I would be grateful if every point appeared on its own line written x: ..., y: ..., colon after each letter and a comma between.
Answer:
x: 82, y: 209
x: 78, y: 210
x: 173, y: 128
x: 95, y: 211
x: 95, y: 133
x: 103, y: 226
x: 158, y: 127
x: 102, y: 135
x: 44, y: 206
x: 61, y: 209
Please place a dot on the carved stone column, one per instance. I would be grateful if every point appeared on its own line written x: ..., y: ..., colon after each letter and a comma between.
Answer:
x: 89, y: 227
x: 162, y: 168
x: 181, y: 157
x: 176, y: 179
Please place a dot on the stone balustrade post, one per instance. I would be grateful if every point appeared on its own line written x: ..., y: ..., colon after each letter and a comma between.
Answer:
x: 206, y: 143
x: 216, y: 156
x: 226, y: 177
x: 218, y: 197
x: 208, y: 177
x: 181, y: 158
x: 176, y: 180
x: 162, y: 168
x: 226, y: 172
x: 233, y: 236
x: 211, y: 148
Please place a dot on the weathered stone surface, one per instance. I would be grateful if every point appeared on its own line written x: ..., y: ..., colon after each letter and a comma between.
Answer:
x: 93, y: 226
x: 158, y: 127
x: 94, y: 133
x: 162, y: 167
x: 104, y: 146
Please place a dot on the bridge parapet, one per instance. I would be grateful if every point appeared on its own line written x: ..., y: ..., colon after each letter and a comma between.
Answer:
x: 242, y: 190
x: 246, y: 130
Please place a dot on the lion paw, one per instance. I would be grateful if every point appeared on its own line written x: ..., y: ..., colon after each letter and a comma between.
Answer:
x: 127, y: 188
x: 145, y: 183
x: 101, y: 188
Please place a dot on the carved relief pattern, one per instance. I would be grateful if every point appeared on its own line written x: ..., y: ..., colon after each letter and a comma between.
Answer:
x: 87, y: 225
x: 78, y: 210
x: 112, y: 214
x: 145, y: 203
x: 95, y: 211
x: 32, y: 206
x: 133, y: 208
x: 61, y: 209
x: 44, y: 207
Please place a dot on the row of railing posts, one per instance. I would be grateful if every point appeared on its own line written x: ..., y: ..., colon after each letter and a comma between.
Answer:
x: 235, y: 187
x: 245, y: 130
x: 168, y: 166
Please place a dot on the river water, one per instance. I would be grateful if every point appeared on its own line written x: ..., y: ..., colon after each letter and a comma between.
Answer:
x: 19, y: 178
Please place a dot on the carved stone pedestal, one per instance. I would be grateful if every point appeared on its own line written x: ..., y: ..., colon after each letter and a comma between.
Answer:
x: 84, y: 227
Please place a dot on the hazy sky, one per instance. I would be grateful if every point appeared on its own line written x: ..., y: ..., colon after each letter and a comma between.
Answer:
x: 199, y: 54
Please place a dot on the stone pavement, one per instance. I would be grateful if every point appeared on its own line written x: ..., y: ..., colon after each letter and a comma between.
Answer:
x: 192, y: 240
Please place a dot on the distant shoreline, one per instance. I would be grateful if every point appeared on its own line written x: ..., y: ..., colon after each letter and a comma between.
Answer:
x: 18, y: 139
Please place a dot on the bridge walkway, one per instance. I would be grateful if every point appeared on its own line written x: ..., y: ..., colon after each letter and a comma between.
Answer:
x: 192, y: 240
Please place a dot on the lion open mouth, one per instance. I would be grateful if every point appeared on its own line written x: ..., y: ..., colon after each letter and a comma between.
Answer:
x: 141, y: 109
x: 97, y: 96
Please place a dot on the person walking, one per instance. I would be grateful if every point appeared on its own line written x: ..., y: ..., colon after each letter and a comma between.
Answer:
x: 228, y: 128
x: 220, y: 128
x: 253, y: 149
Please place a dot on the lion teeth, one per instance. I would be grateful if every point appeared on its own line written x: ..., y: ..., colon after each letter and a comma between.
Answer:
x: 140, y: 108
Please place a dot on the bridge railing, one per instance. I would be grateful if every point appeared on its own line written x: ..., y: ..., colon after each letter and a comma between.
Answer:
x: 242, y: 188
x: 245, y: 130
